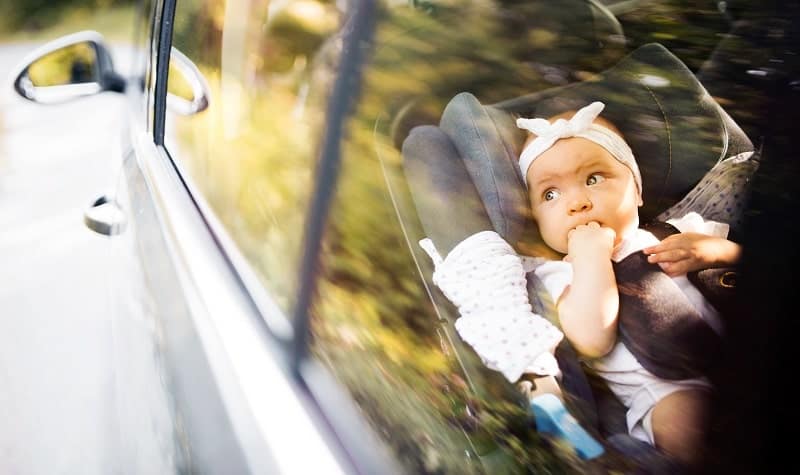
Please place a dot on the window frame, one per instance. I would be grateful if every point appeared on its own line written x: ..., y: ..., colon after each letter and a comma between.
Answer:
x: 163, y: 46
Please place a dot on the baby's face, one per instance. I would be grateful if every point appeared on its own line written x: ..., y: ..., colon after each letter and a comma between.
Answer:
x: 577, y: 181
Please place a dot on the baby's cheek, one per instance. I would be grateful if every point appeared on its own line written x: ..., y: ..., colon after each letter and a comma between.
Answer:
x: 552, y: 236
x: 556, y: 240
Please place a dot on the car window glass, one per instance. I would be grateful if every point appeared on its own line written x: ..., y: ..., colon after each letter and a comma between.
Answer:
x: 252, y: 152
x: 378, y: 322
x: 374, y: 323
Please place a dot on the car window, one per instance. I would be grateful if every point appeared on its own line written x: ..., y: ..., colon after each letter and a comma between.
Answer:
x: 252, y: 152
x: 377, y: 322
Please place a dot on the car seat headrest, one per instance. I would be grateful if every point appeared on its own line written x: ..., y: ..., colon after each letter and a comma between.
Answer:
x: 675, y: 128
x: 489, y: 143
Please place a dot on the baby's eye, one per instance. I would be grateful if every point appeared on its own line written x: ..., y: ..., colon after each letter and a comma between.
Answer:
x: 551, y: 194
x: 594, y: 179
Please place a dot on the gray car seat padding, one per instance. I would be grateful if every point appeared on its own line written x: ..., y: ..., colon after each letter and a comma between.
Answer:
x: 442, y: 187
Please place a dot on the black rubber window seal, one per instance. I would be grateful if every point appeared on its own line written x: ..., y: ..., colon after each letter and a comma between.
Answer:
x: 162, y: 71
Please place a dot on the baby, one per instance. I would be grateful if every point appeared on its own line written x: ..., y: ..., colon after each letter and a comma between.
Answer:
x: 585, y: 188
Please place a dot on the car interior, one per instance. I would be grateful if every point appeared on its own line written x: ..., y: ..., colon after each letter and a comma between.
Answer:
x: 462, y: 178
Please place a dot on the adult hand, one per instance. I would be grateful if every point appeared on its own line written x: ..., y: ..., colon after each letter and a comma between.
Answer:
x: 686, y: 252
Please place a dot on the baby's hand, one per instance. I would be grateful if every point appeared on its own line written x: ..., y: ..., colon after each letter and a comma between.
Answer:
x: 687, y: 252
x: 590, y: 239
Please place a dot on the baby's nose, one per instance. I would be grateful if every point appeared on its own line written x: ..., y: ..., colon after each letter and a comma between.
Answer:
x: 580, y: 204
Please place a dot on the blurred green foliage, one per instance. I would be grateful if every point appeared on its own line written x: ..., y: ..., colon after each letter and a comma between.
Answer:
x: 46, y: 19
x: 39, y: 14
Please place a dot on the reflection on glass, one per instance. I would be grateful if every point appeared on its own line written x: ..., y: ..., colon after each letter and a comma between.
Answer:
x: 270, y: 67
x: 187, y: 90
x: 434, y: 403
x: 74, y: 64
x: 179, y: 86
x: 252, y: 152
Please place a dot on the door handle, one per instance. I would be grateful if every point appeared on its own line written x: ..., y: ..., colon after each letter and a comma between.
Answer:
x: 105, y: 217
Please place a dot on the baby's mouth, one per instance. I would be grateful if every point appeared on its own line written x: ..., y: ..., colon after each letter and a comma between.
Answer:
x: 584, y: 223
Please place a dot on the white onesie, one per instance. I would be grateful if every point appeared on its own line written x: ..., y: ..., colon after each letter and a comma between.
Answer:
x: 638, y: 389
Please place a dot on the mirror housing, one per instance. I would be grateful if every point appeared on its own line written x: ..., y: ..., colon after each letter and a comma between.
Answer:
x: 67, y: 68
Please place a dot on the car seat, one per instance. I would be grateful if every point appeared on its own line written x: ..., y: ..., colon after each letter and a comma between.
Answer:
x: 463, y: 178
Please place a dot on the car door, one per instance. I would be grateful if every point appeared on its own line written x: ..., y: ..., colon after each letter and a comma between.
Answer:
x: 147, y: 418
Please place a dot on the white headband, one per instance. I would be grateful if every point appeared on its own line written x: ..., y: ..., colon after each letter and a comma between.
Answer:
x: 580, y: 125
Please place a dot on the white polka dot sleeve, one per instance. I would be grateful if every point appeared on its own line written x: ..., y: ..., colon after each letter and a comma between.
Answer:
x: 484, y: 278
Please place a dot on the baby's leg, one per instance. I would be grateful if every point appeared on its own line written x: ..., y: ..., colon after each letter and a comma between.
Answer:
x: 679, y: 424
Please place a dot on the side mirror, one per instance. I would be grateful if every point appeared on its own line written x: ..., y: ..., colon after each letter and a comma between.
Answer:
x: 70, y: 67
x: 187, y: 89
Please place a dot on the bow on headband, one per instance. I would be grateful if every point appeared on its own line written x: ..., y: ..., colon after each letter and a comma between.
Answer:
x: 580, y: 125
x: 550, y: 132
